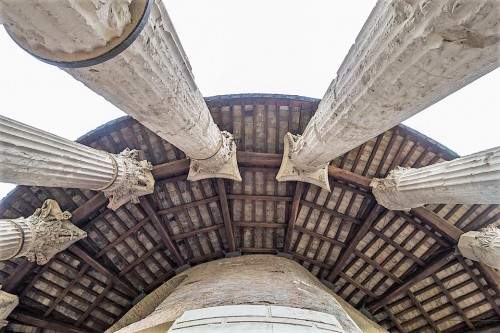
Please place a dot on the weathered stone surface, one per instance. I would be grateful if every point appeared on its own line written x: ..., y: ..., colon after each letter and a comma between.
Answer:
x: 151, y: 80
x: 7, y: 303
x: 483, y: 246
x: 472, y: 179
x: 29, y: 156
x: 40, y: 236
x: 245, y: 280
x: 408, y: 56
x: 255, y: 318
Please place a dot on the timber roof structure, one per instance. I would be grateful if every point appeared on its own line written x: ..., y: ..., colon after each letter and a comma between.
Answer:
x: 402, y: 267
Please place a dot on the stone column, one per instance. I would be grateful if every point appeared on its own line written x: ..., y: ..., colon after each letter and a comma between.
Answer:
x: 408, y: 56
x: 257, y: 307
x: 7, y: 303
x: 151, y: 79
x: 40, y: 236
x: 483, y: 246
x: 29, y: 156
x: 472, y: 179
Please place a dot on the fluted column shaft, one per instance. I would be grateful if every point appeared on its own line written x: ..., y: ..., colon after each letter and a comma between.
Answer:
x: 408, y: 56
x: 483, y: 246
x: 151, y: 80
x: 30, y: 156
x: 472, y: 179
x: 40, y: 236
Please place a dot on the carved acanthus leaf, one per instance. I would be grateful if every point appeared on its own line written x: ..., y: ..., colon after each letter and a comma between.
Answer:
x: 136, y: 180
x: 53, y: 232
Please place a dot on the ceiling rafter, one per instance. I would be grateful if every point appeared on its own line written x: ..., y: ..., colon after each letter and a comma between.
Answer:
x: 226, y: 217
x: 394, y: 319
x: 452, y: 301
x: 418, y: 275
x: 422, y: 311
x: 480, y: 285
x: 444, y: 227
x: 294, y: 212
x: 359, y: 233
x: 87, y: 258
x: 155, y: 219
x: 41, y: 322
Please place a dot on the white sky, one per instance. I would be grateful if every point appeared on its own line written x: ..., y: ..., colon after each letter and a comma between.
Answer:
x: 280, y: 46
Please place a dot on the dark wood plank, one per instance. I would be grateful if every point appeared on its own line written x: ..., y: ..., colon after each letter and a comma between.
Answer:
x: 221, y: 188
x: 166, y: 170
x: 432, y: 267
x: 319, y: 236
x: 348, y: 176
x: 352, y: 243
x: 422, y: 311
x: 478, y: 283
x: 294, y: 211
x: 87, y: 258
x: 156, y: 221
x: 51, y: 324
x: 394, y: 320
x: 442, y: 226
x: 450, y: 298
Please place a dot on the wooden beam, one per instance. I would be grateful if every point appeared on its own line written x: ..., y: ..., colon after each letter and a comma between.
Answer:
x: 348, y: 176
x: 358, y: 236
x: 478, y: 283
x: 319, y: 236
x: 228, y: 225
x: 438, y: 223
x: 451, y: 299
x: 293, y: 217
x: 394, y: 320
x: 22, y: 270
x: 491, y: 276
x: 422, y: 311
x: 192, y: 204
x: 156, y: 221
x: 169, y: 169
x: 329, y: 211
x: 40, y: 322
x: 258, y: 197
x: 92, y: 307
x: 198, y: 231
x: 259, y: 225
x: 432, y: 267
x: 91, y: 206
x: 66, y: 290
x: 259, y: 159
x: 79, y: 252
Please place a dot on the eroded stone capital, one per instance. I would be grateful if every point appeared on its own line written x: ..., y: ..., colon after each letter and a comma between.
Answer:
x: 386, y: 190
x: 291, y: 172
x: 483, y: 246
x: 222, y: 164
x: 7, y: 303
x: 132, y: 179
x: 40, y: 236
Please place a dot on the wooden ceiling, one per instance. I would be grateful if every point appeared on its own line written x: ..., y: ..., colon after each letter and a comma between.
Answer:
x: 399, y: 266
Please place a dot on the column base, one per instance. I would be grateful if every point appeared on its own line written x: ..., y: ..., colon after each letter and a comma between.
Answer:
x: 289, y: 172
x: 216, y: 167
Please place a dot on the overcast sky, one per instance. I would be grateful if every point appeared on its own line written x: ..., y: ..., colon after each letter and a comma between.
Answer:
x: 283, y: 47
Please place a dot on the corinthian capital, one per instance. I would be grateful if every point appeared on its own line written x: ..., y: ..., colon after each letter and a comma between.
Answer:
x: 132, y: 179
x: 40, y: 236
x: 7, y: 303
